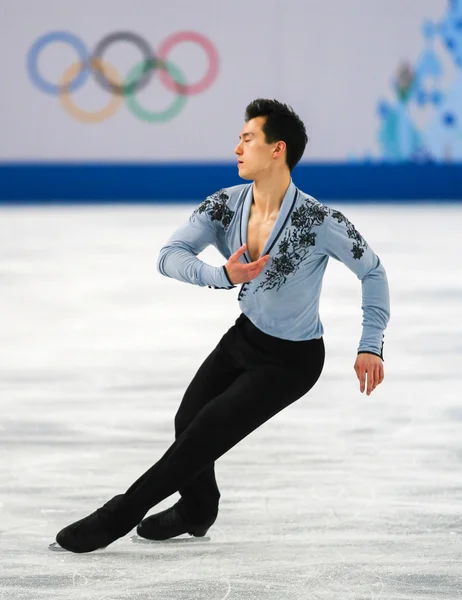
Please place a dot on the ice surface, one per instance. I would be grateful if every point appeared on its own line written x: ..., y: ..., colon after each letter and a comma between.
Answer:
x: 339, y: 497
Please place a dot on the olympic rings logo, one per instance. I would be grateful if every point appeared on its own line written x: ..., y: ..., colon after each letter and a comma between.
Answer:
x: 77, y: 74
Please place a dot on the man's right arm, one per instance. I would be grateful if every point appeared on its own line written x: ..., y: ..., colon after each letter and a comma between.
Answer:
x: 178, y: 257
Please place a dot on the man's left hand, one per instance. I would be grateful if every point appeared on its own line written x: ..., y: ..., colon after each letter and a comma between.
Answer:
x: 371, y: 366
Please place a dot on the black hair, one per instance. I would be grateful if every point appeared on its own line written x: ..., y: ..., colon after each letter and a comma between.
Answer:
x: 282, y: 124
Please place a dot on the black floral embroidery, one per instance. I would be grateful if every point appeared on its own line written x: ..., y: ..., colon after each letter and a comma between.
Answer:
x: 215, y: 206
x: 296, y: 244
x: 359, y: 243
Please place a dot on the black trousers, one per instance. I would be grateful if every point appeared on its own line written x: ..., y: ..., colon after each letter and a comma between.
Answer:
x: 248, y: 378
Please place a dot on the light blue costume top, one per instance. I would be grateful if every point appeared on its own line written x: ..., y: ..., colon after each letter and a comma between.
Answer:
x: 283, y: 301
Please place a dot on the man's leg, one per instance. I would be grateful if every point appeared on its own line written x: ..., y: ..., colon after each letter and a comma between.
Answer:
x: 197, y: 509
x: 254, y: 397
x: 200, y: 497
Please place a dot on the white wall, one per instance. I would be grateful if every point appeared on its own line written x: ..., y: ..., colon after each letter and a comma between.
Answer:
x: 332, y: 61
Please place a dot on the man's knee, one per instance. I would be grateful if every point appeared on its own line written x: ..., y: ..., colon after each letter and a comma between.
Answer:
x: 180, y: 422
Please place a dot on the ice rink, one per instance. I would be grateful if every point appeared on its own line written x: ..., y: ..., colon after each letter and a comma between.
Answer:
x: 339, y: 497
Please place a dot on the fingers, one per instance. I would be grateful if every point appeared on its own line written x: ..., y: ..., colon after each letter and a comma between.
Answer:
x: 362, y: 380
x: 240, y: 272
x: 239, y: 252
x: 254, y: 269
x: 373, y: 376
x: 371, y: 381
x: 261, y: 262
x: 381, y: 374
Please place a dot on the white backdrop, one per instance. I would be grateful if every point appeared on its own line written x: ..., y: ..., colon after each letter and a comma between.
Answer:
x: 332, y: 61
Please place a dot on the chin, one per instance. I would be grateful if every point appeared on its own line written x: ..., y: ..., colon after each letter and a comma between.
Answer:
x: 244, y: 174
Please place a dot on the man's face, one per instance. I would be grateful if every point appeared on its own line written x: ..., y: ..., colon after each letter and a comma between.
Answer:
x: 254, y: 155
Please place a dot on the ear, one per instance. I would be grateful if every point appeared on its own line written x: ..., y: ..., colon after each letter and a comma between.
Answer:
x: 279, y: 149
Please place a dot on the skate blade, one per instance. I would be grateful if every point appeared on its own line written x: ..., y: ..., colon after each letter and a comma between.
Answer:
x: 136, y: 539
x: 55, y: 547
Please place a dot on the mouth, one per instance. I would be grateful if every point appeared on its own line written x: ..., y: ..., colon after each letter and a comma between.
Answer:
x: 239, y: 162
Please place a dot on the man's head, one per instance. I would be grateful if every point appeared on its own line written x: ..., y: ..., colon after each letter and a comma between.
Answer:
x: 273, y: 136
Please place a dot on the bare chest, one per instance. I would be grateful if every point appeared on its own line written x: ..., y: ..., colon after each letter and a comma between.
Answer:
x: 258, y: 232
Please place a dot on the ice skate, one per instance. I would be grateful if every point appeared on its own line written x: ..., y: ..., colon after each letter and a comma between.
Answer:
x: 171, y: 523
x: 94, y: 532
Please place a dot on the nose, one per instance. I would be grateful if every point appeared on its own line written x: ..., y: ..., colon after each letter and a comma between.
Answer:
x: 238, y: 149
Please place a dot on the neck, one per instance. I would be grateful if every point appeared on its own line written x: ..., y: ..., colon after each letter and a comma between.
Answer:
x: 269, y: 193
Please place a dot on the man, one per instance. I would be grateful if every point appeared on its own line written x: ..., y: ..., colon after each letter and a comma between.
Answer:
x: 277, y: 241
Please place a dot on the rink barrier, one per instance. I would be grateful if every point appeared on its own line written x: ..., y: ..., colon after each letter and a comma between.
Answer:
x: 90, y: 183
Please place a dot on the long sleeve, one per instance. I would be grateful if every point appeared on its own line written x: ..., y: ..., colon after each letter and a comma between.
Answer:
x: 340, y: 240
x: 178, y: 257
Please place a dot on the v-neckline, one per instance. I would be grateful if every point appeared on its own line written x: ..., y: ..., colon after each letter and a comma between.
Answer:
x: 287, y: 205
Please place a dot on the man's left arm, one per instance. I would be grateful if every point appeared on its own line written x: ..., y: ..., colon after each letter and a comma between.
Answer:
x: 343, y: 242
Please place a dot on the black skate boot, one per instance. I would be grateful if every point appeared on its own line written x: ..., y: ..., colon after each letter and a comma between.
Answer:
x: 97, y: 530
x: 171, y: 523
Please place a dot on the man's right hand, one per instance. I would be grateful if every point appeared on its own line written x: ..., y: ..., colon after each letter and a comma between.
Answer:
x: 241, y: 273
